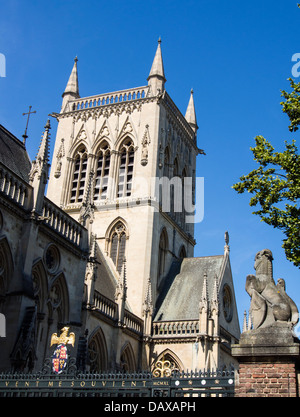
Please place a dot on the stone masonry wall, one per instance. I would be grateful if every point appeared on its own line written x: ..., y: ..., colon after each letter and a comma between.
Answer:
x: 261, y: 379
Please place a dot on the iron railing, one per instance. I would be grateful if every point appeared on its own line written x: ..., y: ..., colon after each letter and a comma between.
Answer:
x: 72, y: 383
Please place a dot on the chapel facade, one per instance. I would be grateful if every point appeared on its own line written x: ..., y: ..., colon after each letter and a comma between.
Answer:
x: 117, y: 229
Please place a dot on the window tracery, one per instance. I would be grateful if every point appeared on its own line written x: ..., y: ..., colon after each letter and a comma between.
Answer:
x: 79, y: 175
x: 97, y: 353
x: 102, y: 172
x: 125, y: 169
x: 118, y: 245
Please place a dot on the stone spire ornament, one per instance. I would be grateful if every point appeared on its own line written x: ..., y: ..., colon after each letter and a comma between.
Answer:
x: 72, y: 85
x: 72, y: 90
x: 204, y: 295
x: 87, y: 207
x: 156, y: 78
x: 38, y: 176
x: 148, y: 311
x: 190, y: 114
x: 121, y: 293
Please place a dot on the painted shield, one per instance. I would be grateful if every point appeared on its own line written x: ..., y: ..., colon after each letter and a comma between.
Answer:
x: 59, y: 358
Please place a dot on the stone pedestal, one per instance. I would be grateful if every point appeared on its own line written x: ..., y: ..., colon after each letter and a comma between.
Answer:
x: 268, y: 362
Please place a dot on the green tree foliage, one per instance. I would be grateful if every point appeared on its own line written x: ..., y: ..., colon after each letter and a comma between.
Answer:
x: 275, y: 185
x: 292, y: 105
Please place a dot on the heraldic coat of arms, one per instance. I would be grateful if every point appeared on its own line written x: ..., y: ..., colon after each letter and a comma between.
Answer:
x: 59, y: 358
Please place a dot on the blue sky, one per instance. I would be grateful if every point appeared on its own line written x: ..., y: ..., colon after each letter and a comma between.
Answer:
x: 235, y: 55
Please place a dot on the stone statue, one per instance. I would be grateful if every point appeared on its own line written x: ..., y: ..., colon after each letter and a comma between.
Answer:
x: 269, y: 302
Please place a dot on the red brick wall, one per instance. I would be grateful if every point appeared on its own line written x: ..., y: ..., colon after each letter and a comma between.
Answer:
x: 266, y: 380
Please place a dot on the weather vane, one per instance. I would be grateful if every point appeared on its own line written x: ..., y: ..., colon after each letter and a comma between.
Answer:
x: 28, y: 115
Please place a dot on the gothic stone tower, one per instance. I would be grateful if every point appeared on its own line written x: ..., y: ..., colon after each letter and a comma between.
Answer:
x: 111, y: 152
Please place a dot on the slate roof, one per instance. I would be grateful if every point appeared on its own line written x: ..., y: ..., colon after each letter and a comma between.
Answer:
x: 181, y: 293
x: 13, y: 154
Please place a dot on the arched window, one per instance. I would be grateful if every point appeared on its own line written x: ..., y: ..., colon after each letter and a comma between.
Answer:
x: 125, y: 170
x: 79, y: 175
x: 162, y: 254
x: 102, y: 172
x: 39, y: 283
x: 165, y: 197
x: 184, y: 193
x: 127, y: 359
x: 166, y: 171
x: 166, y: 364
x: 97, y: 353
x: 58, y: 301
x: 176, y: 198
x: 6, y: 270
x: 117, y: 245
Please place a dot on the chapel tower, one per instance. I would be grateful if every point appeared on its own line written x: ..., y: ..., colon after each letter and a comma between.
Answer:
x: 111, y: 154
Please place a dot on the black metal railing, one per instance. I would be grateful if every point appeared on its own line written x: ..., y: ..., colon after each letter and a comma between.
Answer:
x: 72, y: 383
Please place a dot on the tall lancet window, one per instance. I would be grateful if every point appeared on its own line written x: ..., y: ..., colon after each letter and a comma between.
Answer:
x: 162, y: 255
x: 102, y: 172
x: 184, y: 193
x: 117, y: 245
x: 79, y: 175
x: 125, y: 172
x: 176, y: 192
x: 166, y: 170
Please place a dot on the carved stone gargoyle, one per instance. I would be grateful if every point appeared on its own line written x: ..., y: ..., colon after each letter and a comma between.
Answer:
x: 269, y: 302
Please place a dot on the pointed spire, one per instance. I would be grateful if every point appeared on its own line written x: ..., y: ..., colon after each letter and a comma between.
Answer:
x: 42, y: 158
x: 203, y: 307
x: 43, y: 153
x: 204, y: 295
x: 87, y: 208
x: 91, y: 268
x: 39, y: 172
x: 93, y: 247
x: 121, y: 292
x: 156, y: 78
x: 148, y: 304
x: 72, y: 90
x: 215, y: 295
x: 148, y: 311
x: 124, y: 276
x: 190, y: 114
x: 121, y: 289
x: 72, y: 85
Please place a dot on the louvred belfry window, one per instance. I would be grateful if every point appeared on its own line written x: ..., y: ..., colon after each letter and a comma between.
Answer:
x: 79, y: 176
x: 118, y: 245
x: 102, y: 173
x: 125, y: 173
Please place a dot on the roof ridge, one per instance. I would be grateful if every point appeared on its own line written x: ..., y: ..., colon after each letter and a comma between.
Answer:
x: 18, y: 141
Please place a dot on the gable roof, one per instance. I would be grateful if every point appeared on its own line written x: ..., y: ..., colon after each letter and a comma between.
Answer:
x: 13, y: 154
x: 181, y: 293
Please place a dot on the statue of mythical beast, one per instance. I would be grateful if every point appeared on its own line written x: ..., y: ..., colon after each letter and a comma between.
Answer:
x: 269, y: 302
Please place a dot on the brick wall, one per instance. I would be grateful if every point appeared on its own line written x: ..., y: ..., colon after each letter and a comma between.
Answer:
x: 266, y: 380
